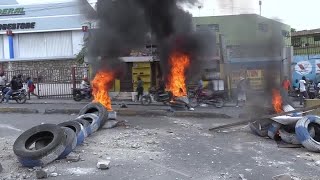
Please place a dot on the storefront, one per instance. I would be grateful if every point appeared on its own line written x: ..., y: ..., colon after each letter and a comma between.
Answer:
x: 50, y: 34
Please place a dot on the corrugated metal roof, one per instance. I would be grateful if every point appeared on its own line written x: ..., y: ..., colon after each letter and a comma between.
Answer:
x: 48, y: 17
x: 306, y: 32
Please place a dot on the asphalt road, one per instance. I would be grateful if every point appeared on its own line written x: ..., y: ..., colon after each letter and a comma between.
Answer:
x: 163, y: 148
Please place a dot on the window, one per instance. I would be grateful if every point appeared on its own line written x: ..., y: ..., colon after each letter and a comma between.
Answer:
x: 214, y: 27
x: 211, y: 27
x: 316, y: 38
x: 296, y: 42
x: 285, y: 33
x: 263, y: 27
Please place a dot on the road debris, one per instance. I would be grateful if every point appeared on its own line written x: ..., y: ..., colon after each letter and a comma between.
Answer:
x: 103, y: 165
x: 242, y: 177
x: 73, y: 157
x: 41, y: 174
x: 53, y: 174
x: 282, y: 177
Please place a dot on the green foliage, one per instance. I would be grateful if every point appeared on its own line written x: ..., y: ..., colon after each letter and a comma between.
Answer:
x: 80, y: 56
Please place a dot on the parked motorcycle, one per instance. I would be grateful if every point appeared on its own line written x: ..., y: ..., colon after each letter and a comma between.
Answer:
x: 198, y: 97
x: 156, y: 95
x: 20, y: 96
x: 80, y: 94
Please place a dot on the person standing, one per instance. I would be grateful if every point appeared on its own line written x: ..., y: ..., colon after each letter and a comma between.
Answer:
x: 139, y: 88
x: 286, y: 84
x: 241, y: 91
x: 20, y: 81
x: 14, y: 87
x: 31, y: 87
x: 303, y: 89
x: 3, y: 80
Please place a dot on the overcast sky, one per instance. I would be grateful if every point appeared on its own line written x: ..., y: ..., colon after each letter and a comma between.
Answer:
x: 297, y: 13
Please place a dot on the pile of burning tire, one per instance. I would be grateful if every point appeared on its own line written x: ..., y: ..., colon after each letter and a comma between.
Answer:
x: 294, y: 129
x: 46, y: 143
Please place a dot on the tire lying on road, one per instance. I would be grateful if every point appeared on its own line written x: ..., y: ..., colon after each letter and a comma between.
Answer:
x: 273, y: 130
x: 260, y: 128
x: 97, y: 109
x: 303, y: 135
x: 289, y: 136
x: 71, y: 142
x: 76, y: 127
x: 86, y: 126
x: 31, y: 157
x: 93, y: 119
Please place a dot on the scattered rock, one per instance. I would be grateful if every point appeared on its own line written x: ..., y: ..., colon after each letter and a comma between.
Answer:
x: 1, y: 169
x: 282, y: 177
x: 53, y: 174
x: 242, y: 177
x: 103, y: 164
x: 72, y: 157
x: 151, y: 142
x: 308, y: 154
x: 138, y: 128
x: 317, y: 163
x: 41, y: 174
x: 24, y: 176
x: 136, y: 146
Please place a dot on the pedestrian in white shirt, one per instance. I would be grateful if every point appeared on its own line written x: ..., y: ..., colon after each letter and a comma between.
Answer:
x: 3, y: 80
x: 303, y: 89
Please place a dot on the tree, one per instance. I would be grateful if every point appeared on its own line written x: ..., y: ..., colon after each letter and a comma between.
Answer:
x: 293, y: 30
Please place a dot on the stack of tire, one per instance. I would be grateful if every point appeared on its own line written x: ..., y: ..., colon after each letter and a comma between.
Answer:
x: 305, y: 131
x: 46, y: 143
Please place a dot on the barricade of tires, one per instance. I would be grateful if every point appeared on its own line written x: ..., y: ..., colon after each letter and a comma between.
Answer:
x: 46, y: 143
x: 306, y: 131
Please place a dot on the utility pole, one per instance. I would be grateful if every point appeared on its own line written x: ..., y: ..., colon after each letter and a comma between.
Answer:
x: 260, y: 5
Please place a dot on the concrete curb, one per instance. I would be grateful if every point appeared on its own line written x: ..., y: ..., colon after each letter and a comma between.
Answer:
x: 18, y: 110
x: 131, y: 112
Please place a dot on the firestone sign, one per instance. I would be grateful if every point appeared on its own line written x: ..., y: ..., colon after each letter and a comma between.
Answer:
x: 12, y: 11
x: 14, y: 26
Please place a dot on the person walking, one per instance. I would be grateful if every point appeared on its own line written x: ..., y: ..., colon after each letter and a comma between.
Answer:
x: 303, y: 89
x: 14, y: 87
x: 241, y: 91
x: 31, y: 88
x: 139, y: 88
x: 311, y: 89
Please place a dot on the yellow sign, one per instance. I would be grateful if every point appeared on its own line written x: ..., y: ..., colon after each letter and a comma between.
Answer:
x: 255, y: 78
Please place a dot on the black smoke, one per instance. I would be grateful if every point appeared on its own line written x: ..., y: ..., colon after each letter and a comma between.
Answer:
x: 123, y: 25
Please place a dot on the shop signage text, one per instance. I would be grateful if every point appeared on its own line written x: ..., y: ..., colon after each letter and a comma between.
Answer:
x: 13, y: 26
x: 12, y: 11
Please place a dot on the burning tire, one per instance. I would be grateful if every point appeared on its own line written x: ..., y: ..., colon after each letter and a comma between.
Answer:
x: 86, y: 126
x: 71, y: 142
x: 98, y: 109
x: 93, y: 119
x: 76, y: 127
x: 273, y: 131
x: 289, y: 136
x: 31, y: 157
x: 260, y: 128
x: 303, y: 135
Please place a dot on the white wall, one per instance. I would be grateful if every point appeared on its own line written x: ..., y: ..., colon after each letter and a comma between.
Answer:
x: 77, y: 41
x: 41, y: 46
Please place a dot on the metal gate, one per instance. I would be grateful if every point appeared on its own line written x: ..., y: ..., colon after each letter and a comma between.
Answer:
x: 55, y: 82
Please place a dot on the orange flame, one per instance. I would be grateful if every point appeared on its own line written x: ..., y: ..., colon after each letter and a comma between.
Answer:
x: 101, y: 84
x: 176, y: 79
x: 277, y: 101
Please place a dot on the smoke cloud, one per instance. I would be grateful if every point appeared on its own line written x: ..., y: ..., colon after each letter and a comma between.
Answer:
x: 124, y: 25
